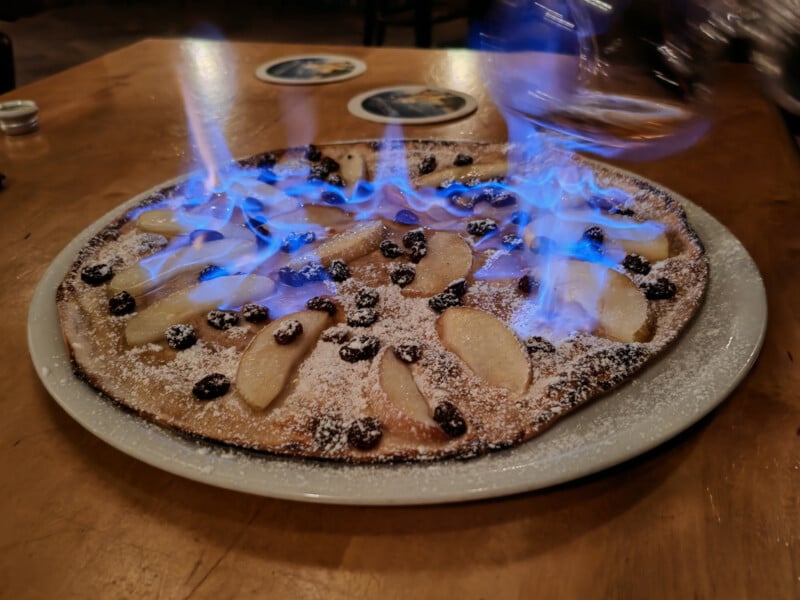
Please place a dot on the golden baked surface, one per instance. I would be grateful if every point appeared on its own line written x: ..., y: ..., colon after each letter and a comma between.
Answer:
x: 381, y: 301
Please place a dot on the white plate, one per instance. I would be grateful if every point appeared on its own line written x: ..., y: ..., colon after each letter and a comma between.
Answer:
x: 706, y: 364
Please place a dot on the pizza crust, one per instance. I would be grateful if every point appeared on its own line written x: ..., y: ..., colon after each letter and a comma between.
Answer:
x: 330, y: 407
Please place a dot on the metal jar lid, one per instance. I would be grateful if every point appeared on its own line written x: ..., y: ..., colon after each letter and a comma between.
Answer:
x: 18, y: 117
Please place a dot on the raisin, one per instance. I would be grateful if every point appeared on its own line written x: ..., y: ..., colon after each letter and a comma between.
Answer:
x: 419, y: 250
x: 364, y: 433
x: 259, y: 228
x: 330, y: 197
x: 212, y: 272
x: 222, y: 319
x: 294, y: 240
x: 267, y: 175
x: 485, y: 195
x: 367, y: 297
x: 536, y: 343
x: 211, y: 386
x: 519, y: 217
x: 427, y: 165
x: 406, y: 217
x: 321, y: 303
x: 255, y: 313
x: 97, y: 274
x: 121, y: 304
x: 313, y: 272
x: 527, y: 284
x: 511, y: 241
x: 329, y: 164
x: 409, y: 353
x: 338, y: 335
x: 252, y: 205
x: 317, y: 173
x: 449, y: 418
x: 413, y: 236
x: 290, y: 277
x: 457, y: 288
x: 462, y: 160
x: 502, y: 200
x: 601, y: 203
x: 336, y: 180
x: 364, y: 189
x: 362, y: 347
x: 461, y: 201
x: 201, y: 236
x: 403, y: 275
x: 362, y: 317
x: 338, y: 270
x: 288, y: 331
x: 313, y: 153
x: 594, y: 235
x: 636, y: 264
x: 480, y: 227
x: 662, y: 289
x: 181, y: 336
x: 443, y: 301
x: 390, y: 250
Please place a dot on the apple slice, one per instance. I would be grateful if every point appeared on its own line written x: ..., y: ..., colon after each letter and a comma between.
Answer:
x: 312, y: 214
x: 348, y: 245
x: 401, y: 390
x: 488, y: 347
x: 266, y: 366
x: 353, y: 168
x: 647, y: 239
x: 449, y: 258
x: 149, y: 324
x: 158, y: 268
x: 170, y: 223
x: 495, y: 170
x: 162, y: 221
x: 653, y: 249
x: 617, y: 304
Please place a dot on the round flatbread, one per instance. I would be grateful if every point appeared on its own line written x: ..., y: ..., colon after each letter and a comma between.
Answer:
x: 376, y: 301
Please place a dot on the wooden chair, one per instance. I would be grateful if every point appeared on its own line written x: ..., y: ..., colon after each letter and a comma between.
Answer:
x: 422, y: 15
x: 7, y: 79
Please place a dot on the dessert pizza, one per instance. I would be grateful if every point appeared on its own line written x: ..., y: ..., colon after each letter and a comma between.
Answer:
x: 368, y: 302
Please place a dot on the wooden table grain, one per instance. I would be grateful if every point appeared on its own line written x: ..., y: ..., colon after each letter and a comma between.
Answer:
x: 714, y: 513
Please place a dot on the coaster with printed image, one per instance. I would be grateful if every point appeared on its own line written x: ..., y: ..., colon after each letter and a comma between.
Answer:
x: 309, y: 69
x: 412, y: 104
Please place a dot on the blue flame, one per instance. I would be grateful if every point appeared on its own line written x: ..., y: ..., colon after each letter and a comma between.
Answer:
x: 264, y: 204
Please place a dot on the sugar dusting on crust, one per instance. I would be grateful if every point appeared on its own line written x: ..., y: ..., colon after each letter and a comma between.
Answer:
x: 327, y: 393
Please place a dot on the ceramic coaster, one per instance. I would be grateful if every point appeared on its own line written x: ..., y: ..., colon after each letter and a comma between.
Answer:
x: 309, y: 69
x: 412, y: 104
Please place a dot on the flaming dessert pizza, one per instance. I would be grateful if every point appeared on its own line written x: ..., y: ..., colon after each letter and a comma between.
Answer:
x: 368, y: 302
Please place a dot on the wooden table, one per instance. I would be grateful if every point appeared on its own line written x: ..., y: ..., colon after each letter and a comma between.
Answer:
x: 713, y: 513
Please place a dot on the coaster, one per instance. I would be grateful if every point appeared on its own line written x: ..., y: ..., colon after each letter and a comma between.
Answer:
x: 413, y: 104
x: 309, y: 69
